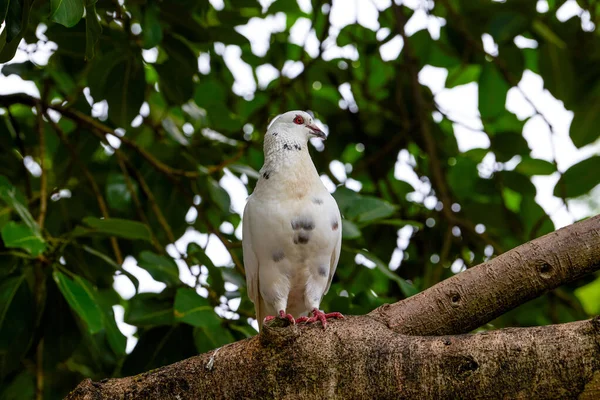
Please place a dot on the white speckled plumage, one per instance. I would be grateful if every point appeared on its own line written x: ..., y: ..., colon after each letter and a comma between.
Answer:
x: 291, y: 225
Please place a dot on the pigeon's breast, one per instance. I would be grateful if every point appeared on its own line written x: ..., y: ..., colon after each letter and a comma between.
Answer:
x: 300, y: 230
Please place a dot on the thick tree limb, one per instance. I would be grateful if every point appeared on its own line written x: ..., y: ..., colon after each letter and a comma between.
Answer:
x: 360, y: 358
x: 482, y: 293
x: 370, y: 357
x: 98, y: 127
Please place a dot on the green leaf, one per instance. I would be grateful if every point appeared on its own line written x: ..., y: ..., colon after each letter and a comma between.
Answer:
x: 116, y: 340
x: 463, y: 74
x: 368, y: 209
x: 350, y: 230
x: 372, y: 209
x: 517, y: 182
x: 533, y: 166
x: 182, y: 22
x: 362, y: 209
x: 514, y: 60
x: 80, y: 294
x: 207, y: 339
x: 15, y: 199
x: 557, y: 71
x: 244, y: 169
x: 66, y: 12
x: 215, y: 277
x: 119, y: 227
x: 18, y: 235
x: 408, y: 289
x: 585, y: 127
x: 14, y: 11
x: 579, y: 179
x: 93, y: 29
x: 151, y: 27
x: 208, y: 92
x: 149, y: 309
x: 233, y: 276
x: 286, y: 7
x: 176, y: 74
x: 504, y: 26
x: 119, y: 78
x: 508, y: 144
x: 17, y: 322
x: 493, y: 90
x: 512, y: 200
x: 351, y: 154
x: 194, y: 309
x: 3, y: 9
x: 589, y: 295
x: 400, y: 222
x: 17, y: 18
x: 355, y: 33
x: 549, y: 36
x: 9, y: 308
x: 118, y: 195
x: 463, y: 176
x: 228, y: 36
x: 506, y: 122
x: 21, y: 387
x: 219, y: 195
x: 114, y: 265
x: 174, y: 131
x: 162, y: 268
x: 25, y: 70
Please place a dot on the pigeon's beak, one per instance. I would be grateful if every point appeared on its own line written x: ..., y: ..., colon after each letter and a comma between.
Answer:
x: 314, y: 130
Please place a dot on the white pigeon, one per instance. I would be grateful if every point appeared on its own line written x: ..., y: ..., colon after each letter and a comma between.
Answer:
x: 291, y: 227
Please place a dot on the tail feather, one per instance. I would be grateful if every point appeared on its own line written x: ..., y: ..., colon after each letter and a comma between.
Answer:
x: 261, y: 312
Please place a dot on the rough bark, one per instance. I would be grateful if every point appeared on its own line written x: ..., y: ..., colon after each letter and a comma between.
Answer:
x: 361, y: 358
x: 474, y: 297
x: 372, y: 357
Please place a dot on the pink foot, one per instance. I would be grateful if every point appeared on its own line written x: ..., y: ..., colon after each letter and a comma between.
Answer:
x: 282, y: 315
x: 319, y: 315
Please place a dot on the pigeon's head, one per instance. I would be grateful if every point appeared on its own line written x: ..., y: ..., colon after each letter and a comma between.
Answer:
x: 298, y: 125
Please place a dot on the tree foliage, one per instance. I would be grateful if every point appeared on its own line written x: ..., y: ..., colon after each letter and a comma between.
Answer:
x: 129, y: 145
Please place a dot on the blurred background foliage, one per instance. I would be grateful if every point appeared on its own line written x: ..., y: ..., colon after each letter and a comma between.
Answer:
x: 138, y: 130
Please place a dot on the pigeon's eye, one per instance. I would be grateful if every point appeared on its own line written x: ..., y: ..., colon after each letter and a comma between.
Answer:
x: 298, y: 120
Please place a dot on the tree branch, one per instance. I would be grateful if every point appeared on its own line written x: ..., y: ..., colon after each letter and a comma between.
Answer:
x: 90, y: 178
x: 138, y: 204
x: 437, y: 172
x: 97, y: 126
x: 361, y: 359
x: 44, y: 175
x: 512, y: 81
x: 372, y: 357
x: 476, y: 296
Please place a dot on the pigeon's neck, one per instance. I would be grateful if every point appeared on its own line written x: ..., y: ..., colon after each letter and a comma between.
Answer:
x: 285, y: 155
x: 288, y: 166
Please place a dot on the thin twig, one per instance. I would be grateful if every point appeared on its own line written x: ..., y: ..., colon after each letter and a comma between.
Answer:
x: 90, y: 178
x: 151, y: 200
x: 39, y: 370
x: 476, y: 44
x: 162, y: 220
x: 100, y: 130
x: 437, y: 173
x: 44, y: 174
x: 138, y: 203
x: 12, y: 123
x: 96, y: 125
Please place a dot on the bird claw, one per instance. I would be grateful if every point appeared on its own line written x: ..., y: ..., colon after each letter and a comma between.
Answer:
x: 282, y: 315
x: 319, y: 315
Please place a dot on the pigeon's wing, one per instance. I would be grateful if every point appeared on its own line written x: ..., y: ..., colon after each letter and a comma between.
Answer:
x: 250, y: 245
x: 250, y: 259
x: 335, y: 255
